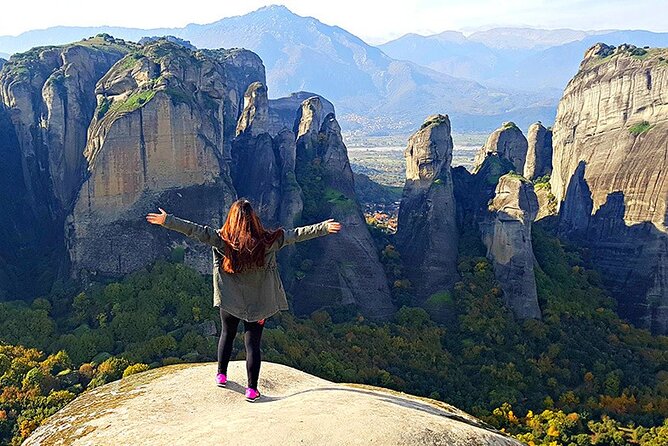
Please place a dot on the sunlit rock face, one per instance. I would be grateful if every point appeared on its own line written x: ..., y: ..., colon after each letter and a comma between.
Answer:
x: 134, y: 409
x: 609, y: 173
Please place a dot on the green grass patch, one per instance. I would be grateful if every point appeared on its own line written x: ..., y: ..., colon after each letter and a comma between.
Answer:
x: 338, y: 199
x: 129, y: 61
x: 514, y: 175
x: 133, y: 102
x: 640, y: 128
x: 103, y: 107
x: 543, y: 181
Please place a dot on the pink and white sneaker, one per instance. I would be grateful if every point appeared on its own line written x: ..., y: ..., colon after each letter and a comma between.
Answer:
x: 252, y: 394
x: 221, y: 380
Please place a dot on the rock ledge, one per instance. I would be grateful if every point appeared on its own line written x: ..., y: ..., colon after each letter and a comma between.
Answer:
x: 180, y: 404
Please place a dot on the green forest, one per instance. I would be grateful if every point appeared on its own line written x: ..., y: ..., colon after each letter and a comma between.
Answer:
x: 581, y: 376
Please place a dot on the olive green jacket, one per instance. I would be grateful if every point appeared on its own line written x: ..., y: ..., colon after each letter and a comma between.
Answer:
x: 257, y: 293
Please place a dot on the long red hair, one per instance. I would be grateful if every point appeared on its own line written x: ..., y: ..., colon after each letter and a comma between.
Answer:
x: 246, y: 238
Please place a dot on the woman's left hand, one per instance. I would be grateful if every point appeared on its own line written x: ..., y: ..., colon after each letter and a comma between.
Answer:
x: 333, y: 226
x: 157, y: 219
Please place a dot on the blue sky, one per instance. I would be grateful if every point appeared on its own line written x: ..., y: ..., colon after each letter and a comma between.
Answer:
x: 373, y: 20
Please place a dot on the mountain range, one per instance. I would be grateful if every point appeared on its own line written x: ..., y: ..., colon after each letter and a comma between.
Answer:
x: 521, y: 58
x: 502, y: 74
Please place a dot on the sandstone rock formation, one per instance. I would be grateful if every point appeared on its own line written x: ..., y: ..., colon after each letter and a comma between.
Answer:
x: 180, y: 404
x: 507, y: 234
x: 157, y: 129
x: 610, y: 173
x: 47, y: 100
x: 100, y: 132
x: 427, y: 228
x: 508, y: 142
x: 241, y: 68
x: 254, y: 118
x: 344, y: 268
x: 539, y: 154
x: 50, y: 92
x: 263, y: 164
x: 282, y: 111
x: 502, y: 206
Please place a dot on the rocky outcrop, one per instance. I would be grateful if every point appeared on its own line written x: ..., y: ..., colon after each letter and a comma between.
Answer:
x: 240, y: 69
x: 164, y: 406
x: 282, y: 110
x: 262, y: 168
x: 254, y: 118
x: 508, y: 142
x: 610, y: 173
x: 427, y: 228
x: 47, y: 100
x: 539, y: 153
x: 502, y: 206
x: 342, y: 269
x: 507, y: 234
x: 50, y: 92
x: 156, y: 137
x: 160, y: 124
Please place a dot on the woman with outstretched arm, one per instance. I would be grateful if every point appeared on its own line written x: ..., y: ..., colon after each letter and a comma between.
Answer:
x: 246, y: 282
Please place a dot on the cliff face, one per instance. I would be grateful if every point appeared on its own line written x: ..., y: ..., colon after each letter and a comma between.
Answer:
x: 288, y: 412
x: 47, y: 100
x: 279, y: 173
x: 427, y: 226
x: 609, y: 174
x: 342, y: 269
x: 282, y: 111
x: 263, y: 168
x: 502, y: 204
x: 507, y: 234
x: 539, y: 153
x: 100, y: 132
x: 50, y: 92
x: 508, y: 142
x: 158, y: 127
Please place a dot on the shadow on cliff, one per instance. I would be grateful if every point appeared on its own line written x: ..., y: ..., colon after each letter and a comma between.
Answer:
x: 632, y: 257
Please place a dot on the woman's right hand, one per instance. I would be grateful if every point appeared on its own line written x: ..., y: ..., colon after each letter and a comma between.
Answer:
x: 333, y: 226
x: 157, y: 219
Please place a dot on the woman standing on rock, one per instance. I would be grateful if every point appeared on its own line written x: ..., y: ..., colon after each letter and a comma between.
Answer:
x: 246, y: 282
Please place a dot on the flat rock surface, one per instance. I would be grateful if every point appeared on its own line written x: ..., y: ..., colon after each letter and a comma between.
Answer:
x: 180, y: 404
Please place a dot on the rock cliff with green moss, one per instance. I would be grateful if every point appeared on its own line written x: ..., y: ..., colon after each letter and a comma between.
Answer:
x: 47, y: 100
x: 100, y: 132
x: 611, y: 169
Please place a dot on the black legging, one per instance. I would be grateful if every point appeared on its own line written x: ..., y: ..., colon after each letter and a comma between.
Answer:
x: 252, y: 338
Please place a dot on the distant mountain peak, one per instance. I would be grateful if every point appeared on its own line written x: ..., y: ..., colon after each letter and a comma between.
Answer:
x: 275, y: 10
